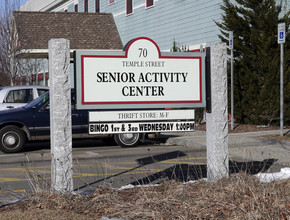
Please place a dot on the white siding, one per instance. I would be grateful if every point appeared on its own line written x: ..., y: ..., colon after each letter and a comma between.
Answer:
x: 35, y: 5
x: 92, y: 6
x: 71, y: 8
x: 189, y: 22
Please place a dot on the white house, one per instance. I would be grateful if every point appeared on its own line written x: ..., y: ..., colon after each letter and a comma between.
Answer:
x: 188, y: 22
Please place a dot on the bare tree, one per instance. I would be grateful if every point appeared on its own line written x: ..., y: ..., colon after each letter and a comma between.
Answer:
x: 31, y: 66
x: 14, y: 64
x: 8, y: 40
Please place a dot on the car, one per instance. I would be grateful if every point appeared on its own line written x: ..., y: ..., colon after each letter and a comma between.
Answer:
x: 18, y: 96
x: 32, y: 122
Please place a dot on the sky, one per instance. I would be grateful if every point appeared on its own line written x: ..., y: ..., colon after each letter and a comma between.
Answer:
x: 21, y: 2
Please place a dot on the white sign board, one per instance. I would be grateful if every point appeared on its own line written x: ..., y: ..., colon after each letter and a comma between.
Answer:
x: 144, y: 121
x: 145, y: 127
x: 281, y: 33
x: 139, y: 77
x: 231, y: 40
x: 146, y: 115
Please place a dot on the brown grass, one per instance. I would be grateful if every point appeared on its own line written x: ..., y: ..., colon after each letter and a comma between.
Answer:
x: 278, y: 137
x: 241, y: 196
x: 241, y: 128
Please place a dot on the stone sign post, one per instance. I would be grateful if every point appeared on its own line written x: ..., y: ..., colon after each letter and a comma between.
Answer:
x: 217, y: 120
x: 60, y: 116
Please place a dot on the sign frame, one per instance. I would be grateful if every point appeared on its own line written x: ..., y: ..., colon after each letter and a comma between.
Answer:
x: 81, y: 103
x: 231, y: 40
x: 281, y: 33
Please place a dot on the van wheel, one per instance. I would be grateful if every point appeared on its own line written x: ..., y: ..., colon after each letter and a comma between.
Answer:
x: 12, y: 139
x: 127, y: 140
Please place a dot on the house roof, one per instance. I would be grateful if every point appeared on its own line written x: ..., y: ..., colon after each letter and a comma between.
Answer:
x: 84, y: 30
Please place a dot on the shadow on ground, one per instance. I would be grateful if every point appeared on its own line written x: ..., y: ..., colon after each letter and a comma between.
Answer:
x: 142, y: 162
x: 185, y: 172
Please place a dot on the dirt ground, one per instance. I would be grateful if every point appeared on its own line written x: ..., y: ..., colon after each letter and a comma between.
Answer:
x: 241, y: 196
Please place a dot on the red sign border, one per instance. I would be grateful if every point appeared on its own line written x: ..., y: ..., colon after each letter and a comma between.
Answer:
x: 126, y: 56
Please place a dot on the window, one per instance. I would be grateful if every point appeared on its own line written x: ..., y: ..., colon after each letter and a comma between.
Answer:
x: 129, y: 7
x: 111, y: 1
x: 19, y: 96
x: 41, y: 91
x: 149, y: 3
x: 76, y: 8
x: 45, y: 108
x: 86, y: 9
x: 97, y: 5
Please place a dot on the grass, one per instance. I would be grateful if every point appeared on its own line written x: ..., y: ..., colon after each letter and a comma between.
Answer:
x: 286, y: 137
x: 242, y: 196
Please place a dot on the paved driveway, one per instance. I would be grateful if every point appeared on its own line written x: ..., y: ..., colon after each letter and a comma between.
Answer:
x: 180, y: 157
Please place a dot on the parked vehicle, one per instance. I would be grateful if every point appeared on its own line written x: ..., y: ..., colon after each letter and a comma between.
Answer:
x: 18, y: 96
x: 32, y: 122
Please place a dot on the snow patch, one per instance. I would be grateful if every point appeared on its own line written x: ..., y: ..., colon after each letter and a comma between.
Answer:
x: 269, y: 177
